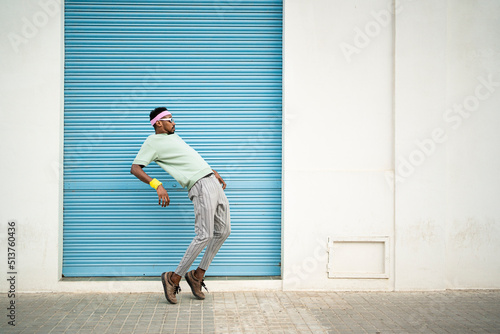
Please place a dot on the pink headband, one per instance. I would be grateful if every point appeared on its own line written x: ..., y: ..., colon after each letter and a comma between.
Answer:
x: 160, y: 116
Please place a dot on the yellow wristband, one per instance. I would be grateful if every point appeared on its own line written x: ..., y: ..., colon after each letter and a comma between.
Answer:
x: 155, y: 183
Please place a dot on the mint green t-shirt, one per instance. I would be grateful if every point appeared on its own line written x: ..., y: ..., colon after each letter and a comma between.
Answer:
x: 176, y: 157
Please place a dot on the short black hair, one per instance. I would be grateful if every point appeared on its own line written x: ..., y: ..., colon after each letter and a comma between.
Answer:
x: 156, y: 112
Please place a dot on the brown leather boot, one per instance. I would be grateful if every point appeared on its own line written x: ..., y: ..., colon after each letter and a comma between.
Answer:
x: 195, y: 284
x: 169, y: 288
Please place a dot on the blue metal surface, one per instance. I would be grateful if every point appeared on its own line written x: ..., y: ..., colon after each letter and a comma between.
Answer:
x: 217, y: 66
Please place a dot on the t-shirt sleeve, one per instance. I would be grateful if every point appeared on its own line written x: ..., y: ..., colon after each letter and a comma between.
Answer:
x: 146, y: 155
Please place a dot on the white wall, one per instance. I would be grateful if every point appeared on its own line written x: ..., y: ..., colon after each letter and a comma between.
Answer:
x: 473, y: 171
x: 31, y: 138
x: 447, y: 194
x: 363, y: 92
x: 338, y: 130
x: 420, y: 99
x: 446, y: 217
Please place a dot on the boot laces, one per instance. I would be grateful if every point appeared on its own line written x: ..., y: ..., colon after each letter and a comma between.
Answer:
x: 203, y: 285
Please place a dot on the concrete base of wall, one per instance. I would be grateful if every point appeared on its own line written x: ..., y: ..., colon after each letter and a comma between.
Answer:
x: 154, y: 285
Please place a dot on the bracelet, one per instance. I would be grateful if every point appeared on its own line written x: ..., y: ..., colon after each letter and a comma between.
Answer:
x: 155, y: 183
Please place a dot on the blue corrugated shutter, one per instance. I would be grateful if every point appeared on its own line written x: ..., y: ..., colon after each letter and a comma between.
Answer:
x: 217, y: 66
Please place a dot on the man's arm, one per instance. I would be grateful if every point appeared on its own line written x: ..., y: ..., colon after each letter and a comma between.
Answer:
x: 138, y: 171
x: 220, y: 179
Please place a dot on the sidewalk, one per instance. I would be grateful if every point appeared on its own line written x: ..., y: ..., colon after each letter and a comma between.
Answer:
x: 476, y: 311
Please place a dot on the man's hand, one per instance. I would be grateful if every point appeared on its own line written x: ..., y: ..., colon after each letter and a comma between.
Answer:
x: 163, y: 198
x: 220, y: 179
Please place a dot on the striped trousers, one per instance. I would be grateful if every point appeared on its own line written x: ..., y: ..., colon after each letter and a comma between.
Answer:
x: 212, y: 222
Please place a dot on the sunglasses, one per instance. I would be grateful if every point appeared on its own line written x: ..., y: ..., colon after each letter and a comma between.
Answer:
x: 171, y: 120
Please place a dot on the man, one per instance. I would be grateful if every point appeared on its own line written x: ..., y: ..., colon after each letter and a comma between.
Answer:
x: 205, y: 186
